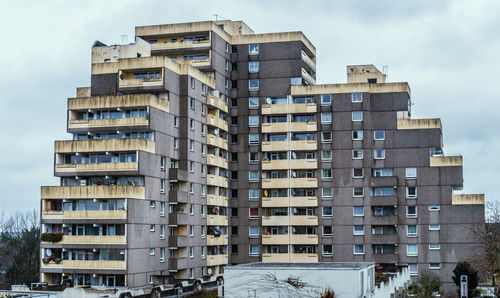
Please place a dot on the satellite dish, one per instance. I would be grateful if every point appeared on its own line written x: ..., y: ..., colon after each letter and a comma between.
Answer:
x: 209, y: 270
x: 48, y: 252
x: 294, y: 155
x: 264, y: 175
x: 268, y: 100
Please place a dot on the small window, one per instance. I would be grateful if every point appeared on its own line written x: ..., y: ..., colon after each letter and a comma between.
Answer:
x: 253, y: 194
x: 176, y: 143
x: 162, y: 163
x: 253, y: 231
x: 253, y: 49
x: 412, y: 250
x: 326, y: 193
x: 191, y: 252
x: 358, y: 211
x: 253, y: 121
x: 191, y: 187
x: 359, y: 249
x: 191, y: 103
x: 151, y: 228
x: 253, y: 157
x: 254, y: 212
x: 191, y: 145
x: 326, y: 136
x: 372, y: 81
x: 176, y: 121
x: 162, y: 208
x: 253, y: 66
x: 411, y: 211
x: 357, y: 173
x: 411, y: 191
x: 379, y: 153
x: 327, y: 212
x: 411, y: 230
x: 226, y: 66
x: 434, y: 265
x: 151, y: 251
x: 227, y: 46
x: 152, y: 204
x: 357, y: 191
x: 191, y: 230
x: 357, y: 135
x: 191, y: 124
x: 413, y: 269
x: 328, y: 250
x: 253, y: 102
x: 357, y: 154
x: 434, y: 207
x: 326, y: 99
x: 253, y: 85
x: 357, y: 116
x: 358, y: 230
x: 434, y: 246
x: 226, y: 84
x: 253, y: 176
x: 191, y: 166
x: 191, y: 83
x: 327, y: 231
x: 411, y: 173
x: 357, y: 97
x: 434, y: 227
x: 326, y: 155
x: 326, y: 174
x: 379, y: 135
x: 254, y: 250
x: 326, y: 118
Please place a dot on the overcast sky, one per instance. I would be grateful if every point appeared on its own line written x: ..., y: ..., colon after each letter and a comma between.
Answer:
x: 448, y: 51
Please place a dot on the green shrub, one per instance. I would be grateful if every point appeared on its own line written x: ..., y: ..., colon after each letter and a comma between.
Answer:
x: 52, y: 237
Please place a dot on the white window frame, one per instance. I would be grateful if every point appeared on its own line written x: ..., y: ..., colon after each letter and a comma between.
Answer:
x: 152, y: 251
x: 152, y: 228
x: 255, y: 50
x: 327, y: 115
x: 354, y: 119
x: 176, y: 143
x: 412, y: 215
x: 375, y: 135
x: 326, y: 253
x: 250, y: 213
x: 323, y: 212
x: 251, y: 103
x: 408, y: 234
x: 326, y: 159
x: 250, y: 191
x: 358, y: 233
x: 411, y: 254
x: 251, y: 121
x: 253, y: 254
x: 162, y: 208
x: 434, y: 268
x: 410, y: 175
x: 359, y: 138
x: 354, y: 249
x: 359, y: 151
x: 326, y: 196
x: 253, y: 69
x: 250, y: 235
x: 251, y: 141
x: 254, y: 88
x: 362, y: 173
x: 253, y: 179
x: 323, y: 232
x: 324, y: 102
x: 431, y: 208
x: 434, y: 227
x: 415, y: 272
x: 376, y: 154
x: 353, y: 97
x: 323, y: 139
x: 356, y: 214
x: 358, y: 196
x: 411, y: 196
x: 435, y: 248
x: 326, y: 178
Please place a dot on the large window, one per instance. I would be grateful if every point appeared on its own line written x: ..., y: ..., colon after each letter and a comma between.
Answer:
x: 253, y: 49
x: 253, y: 176
x: 411, y: 173
x: 382, y: 172
x: 359, y: 230
x: 253, y: 102
x: 254, y: 250
x: 379, y: 135
x: 383, y: 191
x: 359, y: 249
x: 253, y: 85
x: 253, y: 66
x: 357, y: 116
x: 357, y: 97
x: 411, y: 230
x: 253, y: 194
x: 253, y: 231
x: 326, y: 99
x: 326, y: 118
x: 358, y: 211
x: 412, y: 250
x: 357, y: 135
x: 253, y: 121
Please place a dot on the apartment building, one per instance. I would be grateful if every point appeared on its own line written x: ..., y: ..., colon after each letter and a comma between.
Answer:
x: 204, y: 144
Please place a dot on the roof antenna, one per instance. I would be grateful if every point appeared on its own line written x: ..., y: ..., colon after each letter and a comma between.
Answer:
x: 217, y: 16
x: 385, y: 70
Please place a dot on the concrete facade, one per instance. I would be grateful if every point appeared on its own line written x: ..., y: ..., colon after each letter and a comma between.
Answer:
x: 238, y: 156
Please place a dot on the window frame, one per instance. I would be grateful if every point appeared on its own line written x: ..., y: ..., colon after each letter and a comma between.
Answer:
x: 357, y: 246
x: 411, y: 253
x: 375, y: 138
x: 255, y: 87
x: 352, y: 97
x: 254, y: 70
x: 328, y: 102
x: 354, y: 119
x: 377, y: 155
x: 357, y: 214
x: 327, y: 121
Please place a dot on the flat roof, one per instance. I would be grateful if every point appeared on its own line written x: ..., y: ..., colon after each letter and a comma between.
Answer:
x: 304, y: 266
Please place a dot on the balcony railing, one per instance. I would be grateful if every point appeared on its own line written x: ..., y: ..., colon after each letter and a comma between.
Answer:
x: 216, y: 220
x: 297, y: 108
x: 86, y: 214
x: 108, y: 145
x: 221, y: 240
x: 289, y: 201
x: 289, y: 164
x: 216, y: 161
x: 90, y: 240
x: 213, y: 101
x: 296, y: 220
x: 214, y: 260
x: 289, y: 126
x: 217, y: 180
x: 98, y: 167
x: 289, y: 145
x: 445, y: 161
x: 217, y: 122
x: 214, y: 200
x: 216, y: 141
x: 87, y: 265
x: 311, y: 239
x: 290, y: 258
x: 93, y: 192
x: 290, y: 183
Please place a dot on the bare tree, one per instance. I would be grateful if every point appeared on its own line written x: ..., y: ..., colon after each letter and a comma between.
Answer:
x: 487, y: 234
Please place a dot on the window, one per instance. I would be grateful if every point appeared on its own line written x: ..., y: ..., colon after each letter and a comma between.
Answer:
x: 253, y: 66
x: 234, y: 212
x: 253, y: 212
x: 253, y: 194
x: 434, y: 265
x: 327, y: 212
x: 234, y: 230
x: 383, y: 191
x: 411, y: 173
x: 382, y: 172
x: 191, y: 252
x: 357, y: 97
x: 326, y: 193
x: 434, y: 246
x: 151, y: 228
x: 357, y: 154
x: 326, y: 118
x: 203, y: 211
x: 152, y: 204
x: 227, y: 47
x: 162, y: 254
x: 413, y: 269
x: 357, y: 191
x: 357, y: 173
x: 411, y: 191
x: 434, y: 227
x: 203, y: 251
x: 226, y: 84
x: 359, y: 249
x: 191, y: 209
x: 203, y: 186
x: 412, y: 250
x: 191, y: 166
x: 327, y: 231
x: 191, y: 82
x: 191, y: 145
x: 326, y: 136
x: 191, y: 103
x: 326, y: 174
x: 203, y: 109
x: 176, y: 121
x: 328, y: 250
x: 151, y: 251
x: 234, y: 249
x: 253, y: 85
x: 191, y: 231
x: 162, y: 185
x: 253, y: 176
x: 253, y: 121
x: 254, y: 250
x: 253, y: 157
x: 203, y: 150
x: 253, y: 49
x: 358, y: 211
x: 326, y: 99
x: 191, y: 124
x: 176, y: 143
x: 162, y: 208
x: 253, y: 231
x: 434, y: 207
x: 191, y: 187
x: 253, y: 139
x: 357, y: 135
x: 226, y: 66
x: 162, y: 232
x: 253, y: 102
x: 411, y: 230
x: 411, y: 211
x: 358, y: 230
x: 357, y: 116
x: 379, y: 153
x: 379, y: 135
x: 326, y: 155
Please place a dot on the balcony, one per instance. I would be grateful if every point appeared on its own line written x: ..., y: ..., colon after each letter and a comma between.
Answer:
x: 91, y: 240
x: 296, y: 108
x: 290, y: 239
x: 290, y: 183
x: 88, y: 214
x: 214, y: 200
x: 216, y: 161
x: 175, y: 264
x: 215, y: 102
x: 308, y: 77
x: 93, y: 192
x: 384, y: 220
x: 289, y: 145
x: 221, y: 240
x: 296, y: 220
x: 216, y: 180
x: 178, y: 196
x: 86, y: 265
x: 404, y: 124
x: 383, y: 181
x: 385, y: 258
x: 178, y: 241
x: 175, y: 174
x: 289, y: 201
x: 445, y: 161
x: 176, y: 219
x: 111, y: 145
x: 216, y: 220
x: 308, y: 60
x: 284, y: 164
x: 122, y: 101
x: 97, y: 167
x: 127, y: 82
x: 217, y: 122
x: 384, y: 200
x: 467, y: 199
x: 216, y: 141
x: 310, y: 126
x: 384, y: 239
x: 215, y: 260
x: 289, y: 258
x: 137, y: 123
x: 165, y: 47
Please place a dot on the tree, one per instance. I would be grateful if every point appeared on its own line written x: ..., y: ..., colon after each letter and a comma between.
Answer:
x: 20, y: 248
x: 487, y: 234
x: 426, y: 284
x: 464, y: 268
